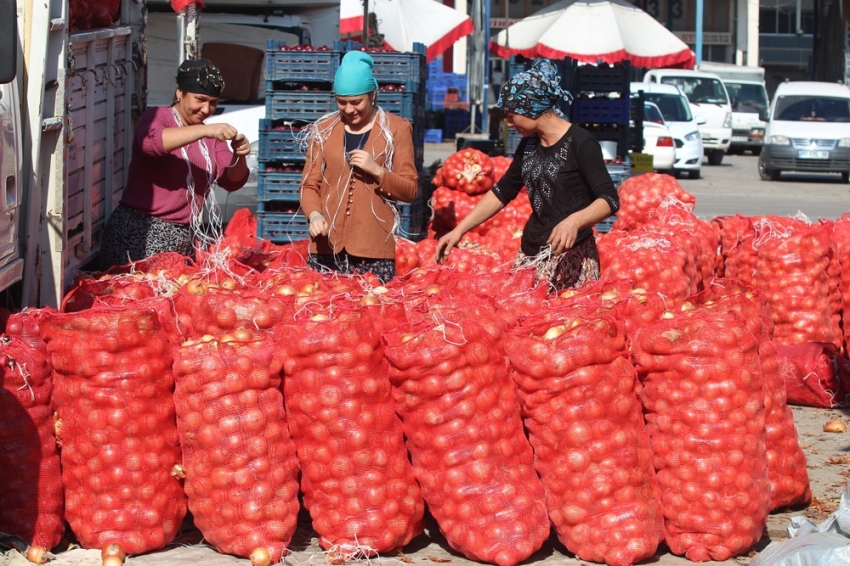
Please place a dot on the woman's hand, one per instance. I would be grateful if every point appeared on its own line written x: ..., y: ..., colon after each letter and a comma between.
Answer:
x: 445, y: 245
x: 318, y: 226
x: 363, y: 160
x: 563, y: 236
x: 221, y: 132
x: 240, y: 145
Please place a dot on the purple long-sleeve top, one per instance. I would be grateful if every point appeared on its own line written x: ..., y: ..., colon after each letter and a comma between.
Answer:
x: 157, y: 183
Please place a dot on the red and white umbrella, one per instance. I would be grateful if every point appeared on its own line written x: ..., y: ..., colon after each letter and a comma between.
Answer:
x: 594, y: 30
x: 405, y: 22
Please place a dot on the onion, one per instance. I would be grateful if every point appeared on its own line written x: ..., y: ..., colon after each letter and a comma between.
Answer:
x: 285, y: 290
x: 183, y: 279
x: 569, y: 293
x: 195, y: 287
x: 380, y: 290
x: 37, y: 554
x: 57, y: 426
x: 407, y: 336
x: 369, y: 299
x: 553, y: 332
x: 835, y: 426
x: 432, y: 290
x: 114, y: 549
x: 229, y: 284
x: 667, y: 315
x: 112, y: 561
x: 260, y: 557
x: 687, y: 305
x: 610, y: 295
x: 242, y: 335
x: 178, y: 471
x: 319, y: 317
x: 308, y: 289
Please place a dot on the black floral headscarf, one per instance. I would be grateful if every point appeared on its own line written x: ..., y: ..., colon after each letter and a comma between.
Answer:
x: 533, y: 92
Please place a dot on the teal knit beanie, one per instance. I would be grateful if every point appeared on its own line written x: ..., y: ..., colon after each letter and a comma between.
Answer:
x: 354, y: 76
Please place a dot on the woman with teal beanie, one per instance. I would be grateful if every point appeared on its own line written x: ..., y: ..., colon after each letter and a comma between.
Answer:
x: 360, y: 162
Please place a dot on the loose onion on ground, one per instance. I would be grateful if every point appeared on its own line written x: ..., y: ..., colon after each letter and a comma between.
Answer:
x: 113, y: 549
x: 260, y: 557
x: 835, y: 426
x: 37, y: 554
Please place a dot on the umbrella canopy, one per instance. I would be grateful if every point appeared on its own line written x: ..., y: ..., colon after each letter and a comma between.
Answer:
x: 594, y: 30
x: 405, y: 22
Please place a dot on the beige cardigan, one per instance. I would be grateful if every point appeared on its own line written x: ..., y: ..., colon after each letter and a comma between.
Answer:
x: 360, y: 220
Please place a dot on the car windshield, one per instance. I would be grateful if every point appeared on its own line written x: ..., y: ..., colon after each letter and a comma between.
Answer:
x: 747, y: 97
x: 674, y: 107
x: 699, y: 90
x: 652, y: 114
x: 807, y: 108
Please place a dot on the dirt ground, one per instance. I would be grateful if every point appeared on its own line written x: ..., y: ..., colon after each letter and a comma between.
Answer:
x: 829, y: 470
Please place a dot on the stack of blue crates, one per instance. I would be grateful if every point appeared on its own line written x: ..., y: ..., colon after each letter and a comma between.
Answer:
x: 439, y: 83
x: 299, y: 92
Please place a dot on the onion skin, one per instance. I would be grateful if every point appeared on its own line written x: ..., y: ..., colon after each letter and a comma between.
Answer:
x: 260, y: 557
x: 112, y: 561
x: 113, y: 549
x: 37, y: 554
x: 835, y: 426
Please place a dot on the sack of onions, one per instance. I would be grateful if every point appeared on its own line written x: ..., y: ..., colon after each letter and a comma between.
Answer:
x: 730, y: 230
x: 32, y: 500
x: 26, y: 325
x: 786, y: 462
x: 641, y: 194
x: 406, y: 256
x: 577, y: 393
x: 238, y: 458
x: 465, y: 435
x: 112, y: 388
x: 655, y: 263
x: 815, y: 374
x: 841, y: 238
x: 792, y: 273
x: 703, y: 402
x: 356, y: 477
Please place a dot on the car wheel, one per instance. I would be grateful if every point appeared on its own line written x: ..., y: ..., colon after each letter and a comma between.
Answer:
x: 693, y: 174
x: 715, y: 157
x: 756, y: 151
x: 845, y: 177
x: 735, y: 151
x: 766, y: 173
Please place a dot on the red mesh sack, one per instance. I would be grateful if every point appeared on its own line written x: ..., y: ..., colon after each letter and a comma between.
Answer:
x: 504, y: 241
x: 83, y: 294
x: 703, y: 401
x: 786, y: 462
x: 406, y: 257
x: 238, y: 458
x: 357, y: 480
x: 656, y: 264
x: 26, y: 325
x: 646, y: 192
x: 815, y: 374
x: 841, y: 238
x: 214, y: 310
x: 792, y: 272
x: 32, y: 501
x: 464, y: 433
x: 112, y: 388
x: 469, y: 171
x: 577, y: 393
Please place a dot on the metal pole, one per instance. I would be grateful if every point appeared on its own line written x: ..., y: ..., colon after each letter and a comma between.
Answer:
x: 485, y: 81
x: 699, y: 31
x: 507, y: 26
x: 364, y: 39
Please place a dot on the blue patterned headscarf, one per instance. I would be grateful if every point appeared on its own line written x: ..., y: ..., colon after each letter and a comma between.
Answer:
x: 533, y: 92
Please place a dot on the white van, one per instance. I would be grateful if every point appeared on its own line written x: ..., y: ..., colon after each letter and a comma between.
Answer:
x: 808, y: 130
x: 748, y: 97
x: 709, y: 100
x: 678, y: 118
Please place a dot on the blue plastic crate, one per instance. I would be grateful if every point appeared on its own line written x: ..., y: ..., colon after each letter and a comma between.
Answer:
x: 298, y: 104
x: 412, y: 222
x: 433, y: 136
x: 401, y: 104
x: 606, y: 225
x: 514, y: 138
x: 280, y: 145
x: 278, y: 185
x: 619, y: 171
x: 309, y: 66
x: 406, y: 68
x: 281, y: 227
x: 593, y: 78
x: 600, y: 111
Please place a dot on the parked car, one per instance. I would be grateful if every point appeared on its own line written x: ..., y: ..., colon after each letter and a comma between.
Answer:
x: 748, y: 96
x: 708, y: 99
x: 677, y: 115
x: 808, y: 130
x: 658, y: 139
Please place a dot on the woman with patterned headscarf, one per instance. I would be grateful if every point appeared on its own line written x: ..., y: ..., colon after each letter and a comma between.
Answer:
x: 568, y: 184
x: 175, y: 160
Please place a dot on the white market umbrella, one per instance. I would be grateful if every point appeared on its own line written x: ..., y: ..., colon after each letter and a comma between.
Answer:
x: 405, y: 22
x: 610, y: 31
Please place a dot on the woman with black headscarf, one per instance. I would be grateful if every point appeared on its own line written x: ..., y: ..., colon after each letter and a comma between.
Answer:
x: 175, y: 161
x: 568, y: 184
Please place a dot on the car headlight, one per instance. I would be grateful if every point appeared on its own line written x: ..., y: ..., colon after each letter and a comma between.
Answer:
x: 251, y: 162
x: 844, y: 142
x: 727, y: 122
x: 693, y: 136
x: 780, y: 140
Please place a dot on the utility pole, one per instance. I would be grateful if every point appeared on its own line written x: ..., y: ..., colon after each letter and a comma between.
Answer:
x: 364, y: 38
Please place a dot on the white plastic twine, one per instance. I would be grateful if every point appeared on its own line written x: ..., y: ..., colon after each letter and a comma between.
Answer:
x: 646, y: 242
x: 766, y: 229
x: 670, y: 204
x: 196, y: 222
x: 436, y: 315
